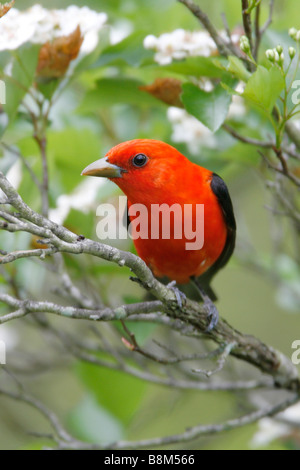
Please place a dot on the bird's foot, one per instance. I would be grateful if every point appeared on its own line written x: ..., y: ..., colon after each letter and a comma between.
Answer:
x: 212, y: 314
x: 209, y: 307
x: 180, y: 296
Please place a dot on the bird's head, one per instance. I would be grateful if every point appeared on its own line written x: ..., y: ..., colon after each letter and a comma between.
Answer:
x: 138, y: 165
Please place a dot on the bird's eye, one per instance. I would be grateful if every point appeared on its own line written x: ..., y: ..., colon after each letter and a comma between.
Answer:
x: 140, y: 160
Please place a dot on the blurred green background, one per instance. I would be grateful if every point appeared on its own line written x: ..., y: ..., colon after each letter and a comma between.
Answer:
x: 254, y: 290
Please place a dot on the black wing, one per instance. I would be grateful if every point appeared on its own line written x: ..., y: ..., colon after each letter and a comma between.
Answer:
x: 127, y: 217
x: 220, y: 190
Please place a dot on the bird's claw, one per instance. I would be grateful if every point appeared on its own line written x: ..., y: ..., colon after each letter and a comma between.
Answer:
x: 180, y: 296
x: 212, y: 315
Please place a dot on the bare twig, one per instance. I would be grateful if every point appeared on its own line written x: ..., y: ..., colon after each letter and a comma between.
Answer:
x: 64, y: 440
x: 42, y: 144
x: 247, y: 22
x: 259, y: 143
x: 221, y: 361
x: 283, y: 169
x: 227, y: 29
x: 260, y: 31
x: 257, y: 32
x: 198, y: 431
x: 247, y: 140
x: 191, y: 316
x: 269, y: 20
x: 171, y: 381
x: 10, y: 257
x: 223, y: 48
x: 25, y: 307
x: 134, y: 346
x: 290, y: 209
x: 61, y: 433
x: 16, y: 152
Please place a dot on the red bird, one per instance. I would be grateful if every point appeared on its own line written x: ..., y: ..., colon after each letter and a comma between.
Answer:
x: 153, y: 173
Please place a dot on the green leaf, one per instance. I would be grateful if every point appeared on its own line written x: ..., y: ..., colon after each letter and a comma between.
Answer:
x: 195, y: 66
x: 5, y: 57
x: 7, y: 161
x: 48, y: 86
x: 129, y: 51
x: 92, y: 423
x: 117, y: 392
x: 70, y: 150
x: 81, y: 221
x: 237, y: 68
x: 209, y: 108
x: 88, y: 60
x: 265, y: 87
x: 112, y: 91
x: 22, y: 77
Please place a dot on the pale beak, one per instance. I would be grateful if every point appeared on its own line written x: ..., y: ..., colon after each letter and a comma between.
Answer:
x: 103, y: 168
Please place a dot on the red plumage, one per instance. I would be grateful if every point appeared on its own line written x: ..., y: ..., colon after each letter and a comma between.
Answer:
x: 168, y: 177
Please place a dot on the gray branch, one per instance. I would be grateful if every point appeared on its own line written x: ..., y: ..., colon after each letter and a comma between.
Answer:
x: 65, y: 441
x: 24, y: 307
x: 225, y: 49
x: 191, y: 314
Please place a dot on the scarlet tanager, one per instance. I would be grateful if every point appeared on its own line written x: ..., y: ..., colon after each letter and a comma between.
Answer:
x: 151, y: 172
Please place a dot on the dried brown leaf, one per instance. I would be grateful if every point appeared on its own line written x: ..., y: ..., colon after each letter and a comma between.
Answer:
x: 55, y: 56
x: 167, y: 90
x: 6, y: 7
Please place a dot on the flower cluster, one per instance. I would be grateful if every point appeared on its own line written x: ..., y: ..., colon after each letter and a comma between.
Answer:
x: 39, y: 25
x: 294, y: 34
x: 277, y: 55
x: 83, y: 199
x: 187, y: 129
x: 180, y: 44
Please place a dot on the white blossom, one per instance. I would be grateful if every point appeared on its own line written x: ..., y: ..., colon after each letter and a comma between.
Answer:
x: 39, y: 25
x: 83, y: 199
x: 187, y: 129
x: 14, y: 175
x: 180, y: 44
x: 269, y: 431
x: 120, y: 30
x: 280, y: 427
